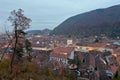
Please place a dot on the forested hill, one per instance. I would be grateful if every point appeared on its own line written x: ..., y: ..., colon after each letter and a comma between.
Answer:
x: 38, y: 32
x: 97, y: 22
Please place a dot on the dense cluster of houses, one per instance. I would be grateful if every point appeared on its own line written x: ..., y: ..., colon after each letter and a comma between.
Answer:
x: 87, y: 61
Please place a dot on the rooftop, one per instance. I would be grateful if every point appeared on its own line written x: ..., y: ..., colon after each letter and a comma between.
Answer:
x: 62, y: 52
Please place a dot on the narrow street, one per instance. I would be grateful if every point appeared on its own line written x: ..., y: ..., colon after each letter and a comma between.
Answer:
x: 101, y: 67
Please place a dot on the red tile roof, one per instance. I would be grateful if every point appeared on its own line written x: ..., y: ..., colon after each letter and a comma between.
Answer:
x: 98, y: 45
x: 62, y: 52
x: 114, y: 69
x: 91, y: 60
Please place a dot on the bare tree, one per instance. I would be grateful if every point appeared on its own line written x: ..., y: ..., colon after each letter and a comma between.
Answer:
x: 19, y: 23
x: 10, y: 41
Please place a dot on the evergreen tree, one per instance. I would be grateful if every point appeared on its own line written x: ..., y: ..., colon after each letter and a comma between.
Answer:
x: 19, y: 23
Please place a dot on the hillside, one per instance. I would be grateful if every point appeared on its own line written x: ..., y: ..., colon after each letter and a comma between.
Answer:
x: 38, y: 32
x: 97, y: 22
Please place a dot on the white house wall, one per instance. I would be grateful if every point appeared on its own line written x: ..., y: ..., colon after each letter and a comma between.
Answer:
x: 71, y: 55
x: 59, y: 59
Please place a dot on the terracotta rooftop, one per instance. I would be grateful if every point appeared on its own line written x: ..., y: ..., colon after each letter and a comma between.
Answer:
x: 62, y: 52
x: 91, y: 60
x: 114, y: 69
x: 99, y: 45
x: 117, y: 51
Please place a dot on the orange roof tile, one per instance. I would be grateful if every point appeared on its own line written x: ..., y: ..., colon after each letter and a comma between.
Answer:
x: 62, y: 52
x: 98, y: 45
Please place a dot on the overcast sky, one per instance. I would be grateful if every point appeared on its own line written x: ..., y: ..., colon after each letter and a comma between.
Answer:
x: 50, y: 13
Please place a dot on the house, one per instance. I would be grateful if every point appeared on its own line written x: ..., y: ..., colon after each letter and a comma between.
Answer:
x: 91, y: 62
x: 110, y: 59
x: 69, y: 41
x: 62, y: 54
x: 116, y: 43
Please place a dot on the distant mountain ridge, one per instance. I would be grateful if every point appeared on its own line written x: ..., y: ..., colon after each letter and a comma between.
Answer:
x: 38, y: 32
x: 97, y: 22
